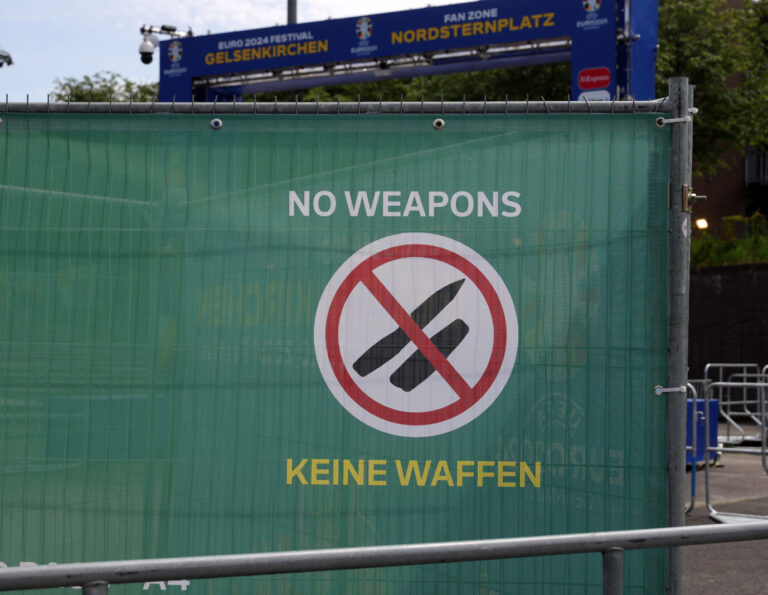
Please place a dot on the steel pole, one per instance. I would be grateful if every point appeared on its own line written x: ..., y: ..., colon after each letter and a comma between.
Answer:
x: 613, y: 571
x: 679, y: 253
x: 291, y: 12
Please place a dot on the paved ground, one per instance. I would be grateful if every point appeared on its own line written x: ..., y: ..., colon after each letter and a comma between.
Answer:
x: 739, y: 485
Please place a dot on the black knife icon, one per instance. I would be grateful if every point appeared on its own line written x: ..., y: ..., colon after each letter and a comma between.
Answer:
x: 388, y: 347
x: 416, y: 369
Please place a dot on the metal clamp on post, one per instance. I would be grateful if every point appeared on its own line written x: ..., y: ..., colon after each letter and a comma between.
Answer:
x: 690, y: 197
x: 661, y: 122
x: 659, y: 390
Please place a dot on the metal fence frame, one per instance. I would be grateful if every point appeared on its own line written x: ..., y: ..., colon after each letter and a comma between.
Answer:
x: 678, y: 106
x: 542, y: 106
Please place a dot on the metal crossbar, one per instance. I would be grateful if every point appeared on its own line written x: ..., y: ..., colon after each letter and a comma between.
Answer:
x: 95, y: 577
x: 655, y: 106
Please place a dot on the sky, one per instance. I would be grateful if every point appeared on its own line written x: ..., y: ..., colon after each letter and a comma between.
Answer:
x: 50, y: 39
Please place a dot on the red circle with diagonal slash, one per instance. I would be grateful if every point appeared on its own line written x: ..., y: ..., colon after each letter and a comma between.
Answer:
x: 468, y: 395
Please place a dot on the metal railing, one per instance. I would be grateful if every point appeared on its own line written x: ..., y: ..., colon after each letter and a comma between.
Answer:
x: 742, y: 396
x: 751, y: 401
x: 759, y: 415
x: 96, y: 577
x: 728, y: 405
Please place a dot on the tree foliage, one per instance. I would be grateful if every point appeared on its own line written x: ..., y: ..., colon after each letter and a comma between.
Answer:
x: 722, y: 50
x: 103, y: 86
x: 740, y: 240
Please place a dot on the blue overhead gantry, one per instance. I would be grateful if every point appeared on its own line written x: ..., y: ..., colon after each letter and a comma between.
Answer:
x: 611, y: 45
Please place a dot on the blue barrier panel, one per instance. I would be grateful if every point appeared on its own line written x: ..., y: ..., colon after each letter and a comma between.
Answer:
x: 701, y: 429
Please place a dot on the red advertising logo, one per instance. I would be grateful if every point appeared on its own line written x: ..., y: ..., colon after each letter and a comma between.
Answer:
x: 594, y: 78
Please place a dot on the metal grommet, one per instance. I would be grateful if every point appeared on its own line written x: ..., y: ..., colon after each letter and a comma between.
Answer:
x: 216, y: 124
x: 660, y: 122
x: 438, y: 124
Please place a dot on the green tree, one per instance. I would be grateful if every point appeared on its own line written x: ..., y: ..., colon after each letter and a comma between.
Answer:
x: 722, y: 50
x: 103, y: 86
x: 740, y: 240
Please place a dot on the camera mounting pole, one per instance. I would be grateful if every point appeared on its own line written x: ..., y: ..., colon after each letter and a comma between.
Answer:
x: 151, y: 40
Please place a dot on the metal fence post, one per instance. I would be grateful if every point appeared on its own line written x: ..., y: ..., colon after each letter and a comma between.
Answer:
x: 613, y: 571
x: 679, y: 252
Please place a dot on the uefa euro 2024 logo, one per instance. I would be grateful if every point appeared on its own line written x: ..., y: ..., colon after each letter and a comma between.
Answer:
x: 591, y: 5
x: 174, y: 51
x: 364, y: 28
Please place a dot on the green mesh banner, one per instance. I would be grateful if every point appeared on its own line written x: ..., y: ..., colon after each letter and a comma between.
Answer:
x: 326, y: 331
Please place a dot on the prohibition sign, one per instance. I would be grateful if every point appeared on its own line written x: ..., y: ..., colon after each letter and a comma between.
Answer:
x: 462, y: 368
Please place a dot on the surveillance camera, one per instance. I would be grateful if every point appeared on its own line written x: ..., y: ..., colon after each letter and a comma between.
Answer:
x: 146, y: 49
